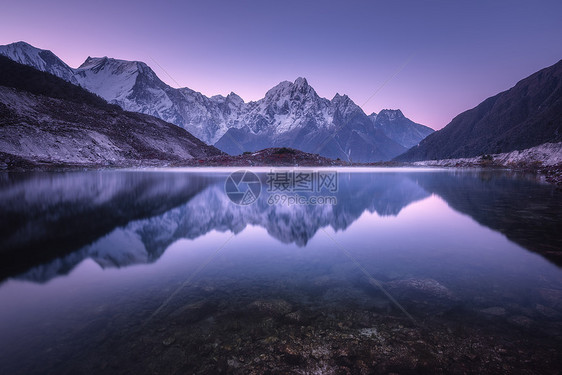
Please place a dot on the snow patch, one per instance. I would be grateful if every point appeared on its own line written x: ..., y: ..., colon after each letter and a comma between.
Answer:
x: 547, y: 154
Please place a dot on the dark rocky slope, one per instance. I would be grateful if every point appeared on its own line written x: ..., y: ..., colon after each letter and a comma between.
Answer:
x: 527, y: 115
x: 47, y: 121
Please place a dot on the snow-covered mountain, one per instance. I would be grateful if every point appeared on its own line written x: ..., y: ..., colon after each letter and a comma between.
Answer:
x: 40, y: 59
x: 45, y: 120
x: 135, y: 87
x: 291, y: 114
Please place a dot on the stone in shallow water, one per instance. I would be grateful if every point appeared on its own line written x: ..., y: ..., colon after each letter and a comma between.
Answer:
x: 371, y: 333
x: 341, y: 297
x: 275, y: 307
x: 169, y: 341
x: 429, y: 287
x: 296, y: 316
x: 193, y: 312
x: 496, y: 311
x: 547, y: 311
x: 553, y: 297
x: 323, y: 281
x: 521, y: 321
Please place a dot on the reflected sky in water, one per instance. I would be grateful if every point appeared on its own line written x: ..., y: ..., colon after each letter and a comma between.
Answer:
x: 115, y: 251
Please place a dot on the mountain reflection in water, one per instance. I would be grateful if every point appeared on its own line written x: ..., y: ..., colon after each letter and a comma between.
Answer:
x: 53, y: 221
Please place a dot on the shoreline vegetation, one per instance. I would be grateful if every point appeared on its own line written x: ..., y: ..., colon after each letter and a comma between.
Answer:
x: 544, y: 161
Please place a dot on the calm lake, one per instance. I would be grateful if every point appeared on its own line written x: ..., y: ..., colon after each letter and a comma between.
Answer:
x: 318, y: 271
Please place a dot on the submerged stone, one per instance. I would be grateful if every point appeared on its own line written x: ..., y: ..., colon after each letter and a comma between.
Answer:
x: 169, y: 341
x: 496, y: 311
x: 275, y: 307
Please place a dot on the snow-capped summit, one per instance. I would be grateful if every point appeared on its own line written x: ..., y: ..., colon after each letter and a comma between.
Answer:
x: 40, y: 59
x: 301, y: 82
x: 292, y: 90
x: 291, y: 114
x: 339, y: 98
x: 391, y: 114
x: 135, y: 87
x: 111, y: 79
x: 301, y: 85
x: 286, y: 107
x: 344, y: 105
x: 115, y: 66
x: 92, y: 62
x: 234, y: 98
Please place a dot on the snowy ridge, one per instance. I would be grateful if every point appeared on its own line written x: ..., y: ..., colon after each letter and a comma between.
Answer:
x: 42, y: 130
x: 43, y: 60
x: 287, y: 106
x: 291, y: 114
x: 111, y: 79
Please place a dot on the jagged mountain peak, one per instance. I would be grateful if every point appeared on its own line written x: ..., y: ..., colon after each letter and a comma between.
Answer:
x: 231, y: 98
x: 301, y: 82
x: 99, y: 63
x: 340, y: 98
x: 235, y: 98
x: 301, y: 85
x: 299, y: 90
x: 391, y: 114
x: 344, y: 104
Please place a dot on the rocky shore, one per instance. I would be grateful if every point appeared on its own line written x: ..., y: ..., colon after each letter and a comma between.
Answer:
x: 212, y: 331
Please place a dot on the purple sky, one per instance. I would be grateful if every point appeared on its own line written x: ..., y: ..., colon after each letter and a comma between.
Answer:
x: 454, y: 54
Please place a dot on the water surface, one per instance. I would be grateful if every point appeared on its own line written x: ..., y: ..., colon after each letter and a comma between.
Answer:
x: 160, y: 272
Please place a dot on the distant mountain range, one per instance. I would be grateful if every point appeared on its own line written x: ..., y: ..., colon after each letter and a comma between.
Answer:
x: 45, y: 120
x: 293, y: 115
x: 290, y: 115
x: 527, y: 115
